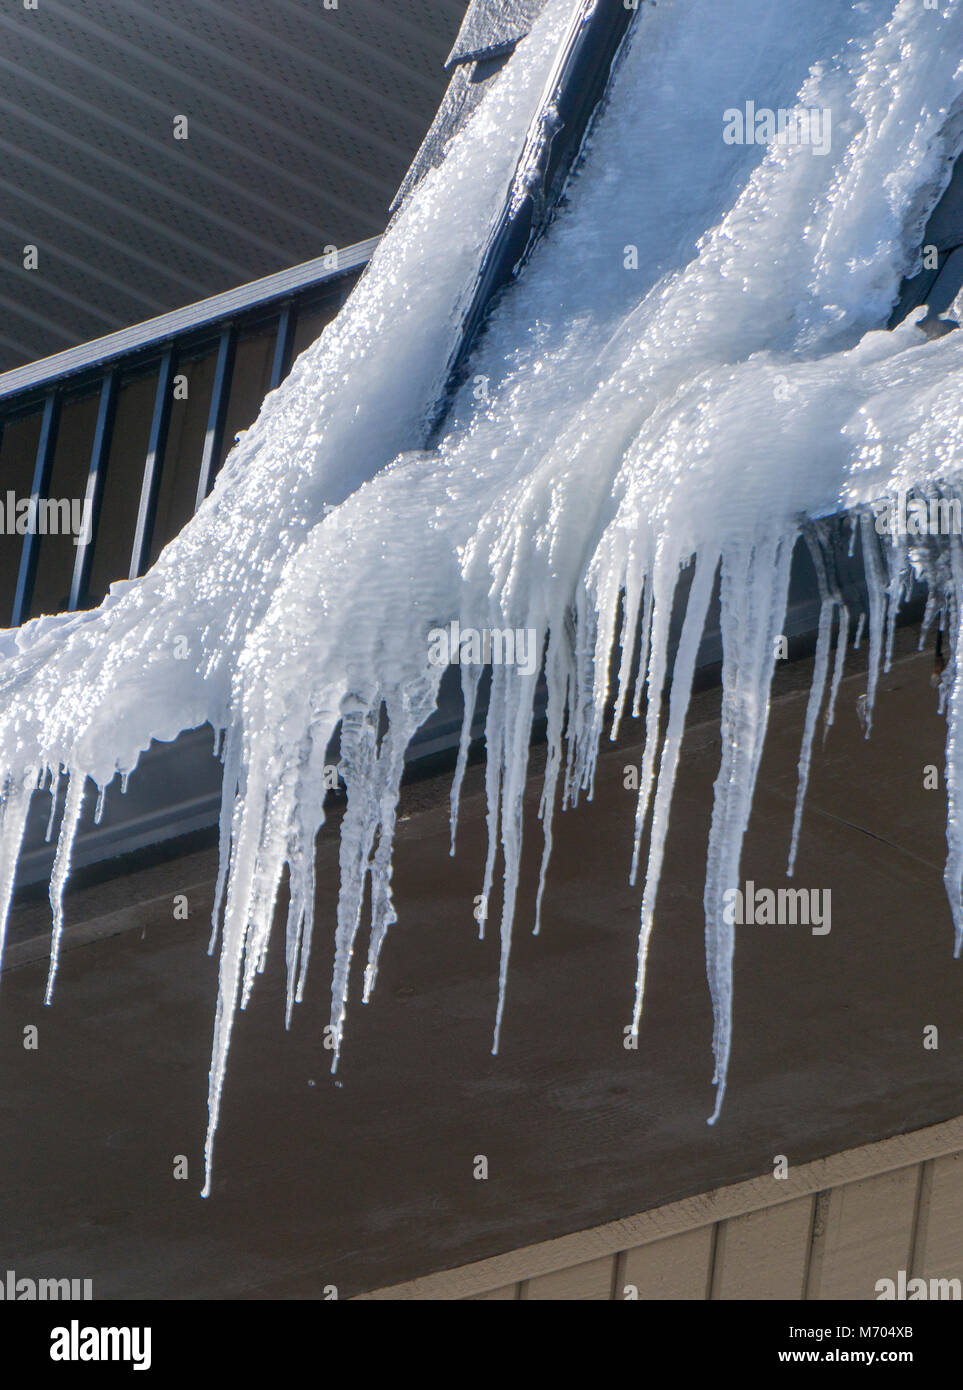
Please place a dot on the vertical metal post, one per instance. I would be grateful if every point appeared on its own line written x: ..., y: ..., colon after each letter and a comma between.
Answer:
x: 153, y: 464
x: 217, y: 414
x: 38, y: 489
x: 283, y: 345
x: 94, y: 494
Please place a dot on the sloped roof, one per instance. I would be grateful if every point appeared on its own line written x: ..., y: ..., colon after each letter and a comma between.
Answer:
x: 301, y: 123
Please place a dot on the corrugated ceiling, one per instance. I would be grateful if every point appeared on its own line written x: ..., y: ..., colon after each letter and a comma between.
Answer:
x: 301, y: 123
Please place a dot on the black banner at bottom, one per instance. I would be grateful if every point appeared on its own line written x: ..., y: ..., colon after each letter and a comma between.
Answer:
x: 167, y: 1340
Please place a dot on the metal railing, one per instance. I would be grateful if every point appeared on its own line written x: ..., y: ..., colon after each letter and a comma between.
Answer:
x: 267, y: 312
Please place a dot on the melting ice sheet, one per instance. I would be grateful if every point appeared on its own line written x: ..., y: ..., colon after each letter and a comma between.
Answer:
x: 698, y: 412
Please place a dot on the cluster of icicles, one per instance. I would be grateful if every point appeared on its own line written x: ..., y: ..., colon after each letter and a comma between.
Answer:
x: 695, y: 412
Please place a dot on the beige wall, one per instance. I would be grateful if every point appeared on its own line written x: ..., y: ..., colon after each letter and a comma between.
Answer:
x: 830, y: 1229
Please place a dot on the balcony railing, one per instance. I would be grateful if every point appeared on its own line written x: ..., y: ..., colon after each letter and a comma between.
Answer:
x: 134, y: 427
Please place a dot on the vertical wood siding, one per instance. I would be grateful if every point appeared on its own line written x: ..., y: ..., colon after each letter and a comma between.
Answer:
x: 830, y: 1229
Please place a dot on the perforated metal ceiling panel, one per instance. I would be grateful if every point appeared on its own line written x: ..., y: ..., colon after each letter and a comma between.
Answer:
x: 301, y: 122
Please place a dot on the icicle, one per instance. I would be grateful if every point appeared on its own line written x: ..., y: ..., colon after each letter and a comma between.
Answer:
x: 358, y: 829
x: 513, y: 714
x: 469, y: 694
x: 896, y: 559
x: 494, y: 742
x: 13, y: 819
x: 559, y: 676
x: 631, y: 604
x: 663, y: 585
x: 240, y: 884
x: 683, y: 671
x: 73, y: 805
x: 877, y: 613
x: 953, y: 873
x: 292, y: 946
x: 755, y: 583
x: 643, y: 667
x: 606, y: 597
x: 229, y: 791
x: 54, y: 793
x: 404, y: 719
x: 842, y: 636
x: 817, y: 690
x: 582, y: 715
x: 860, y: 629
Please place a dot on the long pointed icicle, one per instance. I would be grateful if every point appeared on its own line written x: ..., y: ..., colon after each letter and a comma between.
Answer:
x: 683, y: 671
x: 755, y: 583
x: 73, y: 806
x: 817, y: 691
x: 953, y: 873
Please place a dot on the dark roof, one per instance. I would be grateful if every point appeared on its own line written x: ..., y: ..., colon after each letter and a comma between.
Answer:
x: 938, y: 285
x: 493, y: 26
x: 485, y: 41
x: 301, y: 123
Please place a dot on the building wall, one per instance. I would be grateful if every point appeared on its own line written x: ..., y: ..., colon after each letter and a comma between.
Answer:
x: 829, y: 1229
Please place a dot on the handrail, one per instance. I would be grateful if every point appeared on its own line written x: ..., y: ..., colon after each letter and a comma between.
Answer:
x: 203, y: 314
x: 274, y: 303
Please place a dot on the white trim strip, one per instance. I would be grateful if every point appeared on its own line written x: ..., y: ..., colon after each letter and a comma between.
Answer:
x: 193, y: 316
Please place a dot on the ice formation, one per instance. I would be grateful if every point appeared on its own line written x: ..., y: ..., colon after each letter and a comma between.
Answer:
x: 694, y: 415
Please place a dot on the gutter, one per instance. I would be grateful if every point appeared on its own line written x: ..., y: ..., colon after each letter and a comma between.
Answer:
x: 569, y: 100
